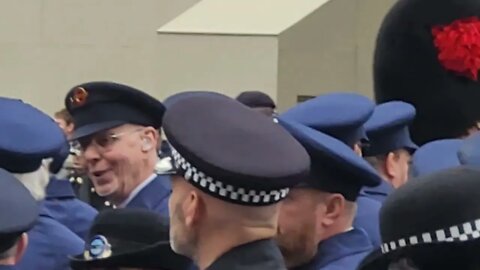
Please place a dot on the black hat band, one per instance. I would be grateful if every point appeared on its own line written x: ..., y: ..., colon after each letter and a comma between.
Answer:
x: 457, y: 233
x: 224, y: 191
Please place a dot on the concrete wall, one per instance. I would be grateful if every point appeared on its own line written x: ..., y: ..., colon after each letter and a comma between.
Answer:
x: 317, y: 55
x: 330, y: 50
x: 47, y: 46
x: 223, y: 63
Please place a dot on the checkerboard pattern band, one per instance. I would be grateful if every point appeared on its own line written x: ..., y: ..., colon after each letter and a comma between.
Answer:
x: 226, y: 191
x: 458, y: 233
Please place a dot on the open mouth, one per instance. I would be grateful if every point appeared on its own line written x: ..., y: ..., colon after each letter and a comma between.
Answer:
x: 98, y: 174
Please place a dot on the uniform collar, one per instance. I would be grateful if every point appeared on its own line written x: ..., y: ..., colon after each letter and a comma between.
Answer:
x: 384, y: 189
x: 57, y: 189
x: 7, y: 267
x: 261, y: 254
x: 339, y: 246
x: 137, y: 190
x: 152, y: 194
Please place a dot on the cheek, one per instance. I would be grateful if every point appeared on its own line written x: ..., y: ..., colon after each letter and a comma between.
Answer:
x: 292, y: 216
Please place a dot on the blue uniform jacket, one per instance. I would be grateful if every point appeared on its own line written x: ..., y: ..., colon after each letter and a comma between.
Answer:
x: 367, y: 218
x: 7, y: 267
x: 50, y: 245
x: 378, y: 193
x: 65, y: 208
x: 154, y: 196
x: 343, y: 251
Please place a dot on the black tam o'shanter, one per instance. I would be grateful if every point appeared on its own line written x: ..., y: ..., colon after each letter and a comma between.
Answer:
x: 428, y: 54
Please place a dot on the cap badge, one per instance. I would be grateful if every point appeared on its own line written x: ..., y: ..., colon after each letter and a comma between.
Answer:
x: 99, y: 248
x: 79, y: 96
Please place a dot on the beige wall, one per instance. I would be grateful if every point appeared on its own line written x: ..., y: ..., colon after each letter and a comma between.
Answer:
x: 223, y: 63
x: 330, y: 50
x: 47, y: 46
x: 317, y: 55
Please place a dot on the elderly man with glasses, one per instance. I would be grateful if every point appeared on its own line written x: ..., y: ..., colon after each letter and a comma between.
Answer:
x: 116, y: 130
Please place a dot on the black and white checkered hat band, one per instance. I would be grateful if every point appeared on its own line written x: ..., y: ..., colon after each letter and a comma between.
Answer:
x: 229, y: 192
x: 458, y: 233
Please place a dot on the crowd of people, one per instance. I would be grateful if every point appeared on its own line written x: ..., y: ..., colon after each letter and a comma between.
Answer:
x: 118, y: 179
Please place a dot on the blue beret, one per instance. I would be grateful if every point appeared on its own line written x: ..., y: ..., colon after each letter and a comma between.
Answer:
x: 335, y: 167
x: 340, y: 115
x: 469, y: 150
x: 232, y: 152
x: 435, y: 156
x: 97, y: 106
x: 387, y: 128
x: 28, y: 137
x: 18, y: 210
x: 256, y: 99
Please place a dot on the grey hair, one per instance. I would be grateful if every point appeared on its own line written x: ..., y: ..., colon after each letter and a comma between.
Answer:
x: 36, y: 182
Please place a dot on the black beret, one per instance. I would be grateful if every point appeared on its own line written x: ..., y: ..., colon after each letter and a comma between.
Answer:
x: 97, y: 106
x: 422, y: 58
x: 438, y: 212
x: 256, y: 99
x: 232, y: 152
x: 136, y: 238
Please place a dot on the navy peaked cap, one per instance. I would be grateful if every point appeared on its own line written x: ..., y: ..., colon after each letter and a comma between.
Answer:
x: 387, y: 128
x: 98, y: 106
x: 340, y: 115
x: 232, y: 152
x: 335, y: 167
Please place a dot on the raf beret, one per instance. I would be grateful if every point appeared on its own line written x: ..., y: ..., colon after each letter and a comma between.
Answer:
x: 426, y: 55
x: 435, y: 156
x: 97, y: 106
x: 387, y: 128
x: 256, y: 99
x: 232, y: 152
x: 28, y: 137
x: 340, y: 115
x: 18, y: 210
x: 335, y: 167
x: 135, y: 238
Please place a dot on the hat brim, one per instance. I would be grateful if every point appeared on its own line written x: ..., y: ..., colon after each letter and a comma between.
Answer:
x: 90, y: 129
x: 157, y: 256
x: 376, y: 260
x: 411, y: 146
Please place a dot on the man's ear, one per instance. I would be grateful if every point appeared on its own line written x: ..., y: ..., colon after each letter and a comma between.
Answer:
x: 149, y: 138
x: 335, y: 206
x: 193, y: 208
x: 22, y: 245
x: 391, y: 166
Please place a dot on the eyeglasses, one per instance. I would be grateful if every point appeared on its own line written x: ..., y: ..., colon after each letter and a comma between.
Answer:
x: 104, y: 141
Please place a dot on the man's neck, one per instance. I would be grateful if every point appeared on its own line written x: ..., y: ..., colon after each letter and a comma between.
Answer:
x: 8, y: 261
x: 211, y: 247
x: 135, y: 181
x: 338, y: 228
